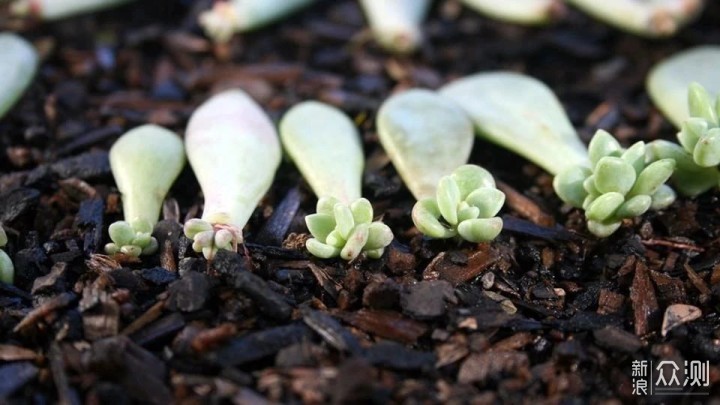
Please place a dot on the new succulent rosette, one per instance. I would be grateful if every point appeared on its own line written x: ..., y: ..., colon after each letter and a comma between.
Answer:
x: 325, y: 146
x: 465, y: 206
x: 7, y: 270
x: 346, y: 230
x: 618, y: 184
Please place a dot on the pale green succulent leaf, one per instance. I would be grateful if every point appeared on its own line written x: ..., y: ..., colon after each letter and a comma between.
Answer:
x: 634, y: 207
x: 7, y: 270
x: 326, y: 205
x: 448, y: 199
x: 425, y: 215
x: 3, y: 236
x: 344, y: 220
x: 521, y: 114
x: 602, y: 145
x: 603, y: 230
x: 589, y: 185
x: 529, y: 12
x: 480, y: 229
x: 355, y: 243
x: 468, y: 212
x: 111, y: 248
x: 121, y: 233
x: 604, y: 206
x: 614, y: 175
x: 151, y: 247
x: 335, y: 239
x: 488, y: 200
x: 652, y: 177
x: 690, y: 133
x: 379, y: 236
x: 362, y: 211
x: 663, y: 198
x: 141, y: 240
x: 701, y: 104
x: 18, y: 67
x: 470, y: 178
x: 194, y: 226
x: 375, y: 254
x: 569, y: 185
x: 635, y: 156
x: 707, y: 149
x: 131, y: 250
x: 223, y: 239
x: 320, y: 225
x: 321, y: 250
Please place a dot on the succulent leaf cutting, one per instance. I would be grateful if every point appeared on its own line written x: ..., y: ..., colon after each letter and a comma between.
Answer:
x: 7, y: 270
x: 234, y: 151
x: 618, y: 184
x: 325, y: 146
x: 465, y: 206
x: 145, y: 162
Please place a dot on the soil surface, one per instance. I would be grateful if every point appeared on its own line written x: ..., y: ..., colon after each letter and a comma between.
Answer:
x: 544, y: 313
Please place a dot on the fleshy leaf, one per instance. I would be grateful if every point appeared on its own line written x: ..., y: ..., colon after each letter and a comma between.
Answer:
x: 602, y: 230
x: 321, y: 250
x: 3, y: 236
x: 601, y: 145
x: 320, y: 225
x: 471, y: 177
x: 355, y: 243
x: 569, y: 185
x: 688, y: 178
x: 707, y: 150
x: 634, y: 207
x: 7, y: 270
x: 614, y: 175
x: 121, y: 233
x: 379, y: 236
x: 663, y: 198
x: 635, y: 156
x: 604, y: 206
x: 362, y: 211
x: 653, y: 176
x: 425, y: 216
x: 448, y: 199
x: 488, y: 200
x: 700, y: 104
x: 480, y: 229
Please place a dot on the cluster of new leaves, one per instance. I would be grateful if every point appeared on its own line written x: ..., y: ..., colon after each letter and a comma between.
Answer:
x: 7, y: 271
x: 132, y: 239
x: 700, y: 134
x: 346, y: 230
x: 465, y: 205
x: 208, y: 238
x: 619, y: 184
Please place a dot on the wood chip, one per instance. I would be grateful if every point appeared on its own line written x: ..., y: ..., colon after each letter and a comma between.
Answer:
x: 645, y: 305
x: 678, y: 314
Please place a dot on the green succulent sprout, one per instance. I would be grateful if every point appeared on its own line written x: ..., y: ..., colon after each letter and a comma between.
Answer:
x: 619, y: 184
x: 528, y: 12
x: 465, y: 206
x: 681, y: 87
x: 429, y: 139
x: 396, y: 24
x: 234, y: 151
x: 228, y: 17
x: 648, y: 18
x: 49, y: 10
x: 19, y: 64
x: 608, y: 182
x: 7, y: 270
x: 145, y: 162
x: 325, y: 146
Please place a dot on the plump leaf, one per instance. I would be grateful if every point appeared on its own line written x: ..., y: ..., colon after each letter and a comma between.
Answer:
x: 602, y: 230
x: 3, y: 236
x: 223, y: 239
x: 470, y: 178
x: 701, y: 104
x: 131, y: 250
x: 468, y: 212
x: 480, y: 229
x: 634, y: 207
x: 326, y: 205
x: 604, y: 206
x: 530, y: 12
x: 355, y: 243
x: 194, y: 226
x: 321, y: 250
x: 663, y: 198
x: 362, y: 211
x: 320, y: 225
x: 707, y: 150
x: 151, y: 247
x: 488, y: 200
x: 344, y: 221
x: 688, y: 178
x: 614, y: 175
x: 635, y: 156
x: 396, y: 24
x: 7, y: 270
x: 654, y: 175
x: 690, y: 133
x: 18, y: 67
x: 448, y: 199
x: 601, y: 145
x: 425, y: 216
x: 379, y: 236
x: 121, y: 233
x: 569, y: 185
x: 335, y: 239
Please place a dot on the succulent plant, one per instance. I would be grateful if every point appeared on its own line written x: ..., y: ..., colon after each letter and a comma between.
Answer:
x: 145, y: 162
x: 233, y: 149
x: 396, y: 24
x: 618, y: 184
x: 465, y: 206
x: 325, y: 145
